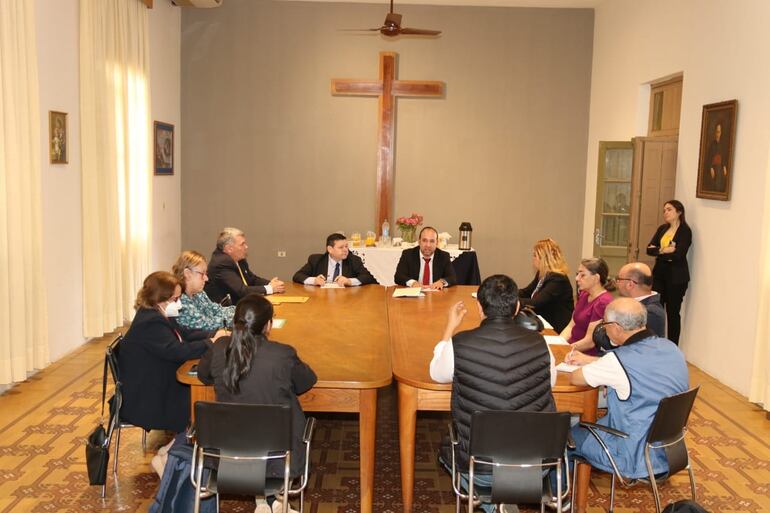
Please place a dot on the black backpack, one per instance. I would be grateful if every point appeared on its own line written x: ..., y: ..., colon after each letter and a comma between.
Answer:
x: 684, y: 507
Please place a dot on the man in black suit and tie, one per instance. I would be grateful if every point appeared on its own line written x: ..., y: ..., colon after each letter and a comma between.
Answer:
x: 337, y: 265
x: 229, y: 271
x: 425, y: 265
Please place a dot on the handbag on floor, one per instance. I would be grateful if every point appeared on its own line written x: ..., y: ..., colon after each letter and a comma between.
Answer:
x: 98, y: 443
x: 686, y: 506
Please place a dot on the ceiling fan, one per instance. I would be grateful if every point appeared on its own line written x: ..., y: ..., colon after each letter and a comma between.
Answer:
x: 392, y: 27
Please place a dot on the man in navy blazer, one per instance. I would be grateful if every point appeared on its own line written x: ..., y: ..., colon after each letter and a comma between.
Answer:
x: 411, y: 269
x: 337, y: 265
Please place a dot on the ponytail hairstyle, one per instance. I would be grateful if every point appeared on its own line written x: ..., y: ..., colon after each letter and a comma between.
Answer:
x: 251, y: 317
x: 551, y: 258
x: 157, y: 288
x: 599, y: 266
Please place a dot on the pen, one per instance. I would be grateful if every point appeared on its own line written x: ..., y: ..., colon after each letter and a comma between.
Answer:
x: 569, y: 355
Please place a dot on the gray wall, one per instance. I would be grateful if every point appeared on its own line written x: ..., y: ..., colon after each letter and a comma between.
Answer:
x: 267, y: 148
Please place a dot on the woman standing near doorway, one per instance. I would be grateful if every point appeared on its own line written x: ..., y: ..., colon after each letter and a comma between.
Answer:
x: 671, y: 274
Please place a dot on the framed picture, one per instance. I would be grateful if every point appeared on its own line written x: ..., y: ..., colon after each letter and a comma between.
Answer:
x: 717, y: 144
x: 57, y: 137
x: 164, y: 148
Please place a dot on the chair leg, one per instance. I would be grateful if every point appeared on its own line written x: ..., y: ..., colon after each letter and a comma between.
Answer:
x: 104, y: 490
x: 692, y: 481
x: 612, y: 494
x: 144, y: 440
x: 117, y: 448
x: 574, y: 484
x: 655, y: 494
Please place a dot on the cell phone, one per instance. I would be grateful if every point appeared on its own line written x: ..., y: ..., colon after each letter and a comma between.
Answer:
x: 193, y: 370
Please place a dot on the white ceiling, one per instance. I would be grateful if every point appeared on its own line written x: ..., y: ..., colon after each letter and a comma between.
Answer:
x: 583, y: 4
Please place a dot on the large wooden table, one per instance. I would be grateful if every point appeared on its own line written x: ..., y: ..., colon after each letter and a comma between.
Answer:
x: 416, y: 324
x: 343, y: 336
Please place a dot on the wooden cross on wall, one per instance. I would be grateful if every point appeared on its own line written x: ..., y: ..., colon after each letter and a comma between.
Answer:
x: 387, y: 88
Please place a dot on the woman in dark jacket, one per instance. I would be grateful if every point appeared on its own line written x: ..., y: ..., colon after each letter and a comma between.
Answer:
x: 247, y: 367
x: 671, y: 274
x: 550, y: 293
x: 150, y: 353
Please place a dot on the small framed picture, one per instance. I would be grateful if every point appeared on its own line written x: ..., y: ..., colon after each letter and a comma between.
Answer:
x: 717, y: 145
x: 57, y: 139
x: 164, y: 148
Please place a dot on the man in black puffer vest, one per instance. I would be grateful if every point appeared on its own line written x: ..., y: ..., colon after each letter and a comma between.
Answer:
x: 497, y: 366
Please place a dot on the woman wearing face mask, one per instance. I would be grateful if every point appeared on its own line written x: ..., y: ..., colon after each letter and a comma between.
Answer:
x: 594, y: 287
x: 152, y: 350
x: 198, y: 311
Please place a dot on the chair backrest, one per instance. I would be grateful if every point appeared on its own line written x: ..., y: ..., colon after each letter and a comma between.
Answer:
x: 668, y: 426
x: 516, y: 438
x: 242, y: 430
x: 671, y: 417
x: 112, y: 355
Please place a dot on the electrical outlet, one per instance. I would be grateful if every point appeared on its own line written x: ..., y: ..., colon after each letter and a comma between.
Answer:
x: 282, y: 254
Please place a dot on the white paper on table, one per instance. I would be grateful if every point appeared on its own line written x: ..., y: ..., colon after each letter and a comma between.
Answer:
x: 407, y: 292
x: 332, y: 285
x: 473, y: 294
x: 555, y: 340
x: 565, y: 367
x: 278, y: 323
x: 546, y: 324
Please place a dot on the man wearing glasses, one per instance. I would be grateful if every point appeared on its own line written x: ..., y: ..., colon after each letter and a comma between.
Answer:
x: 635, y: 281
x: 643, y: 369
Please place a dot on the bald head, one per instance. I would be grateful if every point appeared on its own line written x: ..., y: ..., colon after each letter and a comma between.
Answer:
x: 628, y: 313
x: 634, y: 280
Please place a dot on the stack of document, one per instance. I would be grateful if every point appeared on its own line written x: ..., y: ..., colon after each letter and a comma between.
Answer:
x: 555, y: 340
x: 408, y: 292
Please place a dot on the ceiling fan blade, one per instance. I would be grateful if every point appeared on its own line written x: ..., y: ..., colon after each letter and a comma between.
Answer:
x: 360, y: 30
x: 419, y: 32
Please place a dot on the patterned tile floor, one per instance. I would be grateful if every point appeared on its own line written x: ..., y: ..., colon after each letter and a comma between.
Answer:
x: 44, y: 421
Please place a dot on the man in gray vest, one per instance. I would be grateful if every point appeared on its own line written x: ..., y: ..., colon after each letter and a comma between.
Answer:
x: 496, y: 366
x: 643, y: 369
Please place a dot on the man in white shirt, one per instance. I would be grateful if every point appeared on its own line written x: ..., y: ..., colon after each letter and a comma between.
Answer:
x: 499, y: 365
x: 643, y: 369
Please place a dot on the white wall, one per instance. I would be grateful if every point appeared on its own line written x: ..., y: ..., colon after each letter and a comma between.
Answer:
x: 165, y: 61
x: 722, y: 48
x: 58, y: 64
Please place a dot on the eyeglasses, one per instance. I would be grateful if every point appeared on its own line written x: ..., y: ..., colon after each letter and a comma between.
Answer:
x: 627, y: 279
x: 202, y: 273
x: 607, y: 323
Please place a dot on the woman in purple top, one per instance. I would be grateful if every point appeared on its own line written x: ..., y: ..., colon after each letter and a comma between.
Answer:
x: 594, y: 286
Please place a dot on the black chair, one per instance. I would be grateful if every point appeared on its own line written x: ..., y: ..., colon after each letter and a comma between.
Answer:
x: 666, y: 432
x: 519, y: 447
x: 236, y: 441
x: 112, y: 356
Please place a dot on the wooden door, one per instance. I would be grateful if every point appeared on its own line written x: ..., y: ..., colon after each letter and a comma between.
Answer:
x: 613, y: 203
x: 653, y: 183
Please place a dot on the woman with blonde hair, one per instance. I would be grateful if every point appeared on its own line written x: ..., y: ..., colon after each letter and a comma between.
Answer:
x: 198, y: 311
x: 550, y: 292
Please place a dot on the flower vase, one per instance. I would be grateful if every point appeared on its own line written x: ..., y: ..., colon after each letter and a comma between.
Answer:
x: 408, y: 234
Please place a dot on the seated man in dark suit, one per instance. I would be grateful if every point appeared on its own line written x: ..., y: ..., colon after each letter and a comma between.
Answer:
x: 635, y: 281
x: 425, y: 265
x: 229, y: 271
x: 337, y: 265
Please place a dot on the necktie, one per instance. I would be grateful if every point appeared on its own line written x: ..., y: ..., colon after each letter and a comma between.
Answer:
x: 426, y: 272
x: 336, y: 271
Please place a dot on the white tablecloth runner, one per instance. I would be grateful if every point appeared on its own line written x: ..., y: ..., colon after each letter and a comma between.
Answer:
x: 382, y: 262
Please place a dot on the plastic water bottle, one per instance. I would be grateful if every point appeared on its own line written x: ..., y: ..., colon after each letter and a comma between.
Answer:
x: 385, y: 229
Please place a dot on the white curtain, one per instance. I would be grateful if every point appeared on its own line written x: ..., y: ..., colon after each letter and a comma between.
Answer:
x: 23, y: 315
x: 760, y: 377
x: 115, y: 152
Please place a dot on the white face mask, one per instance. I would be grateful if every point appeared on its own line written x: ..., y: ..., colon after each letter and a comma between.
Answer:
x: 172, y: 309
